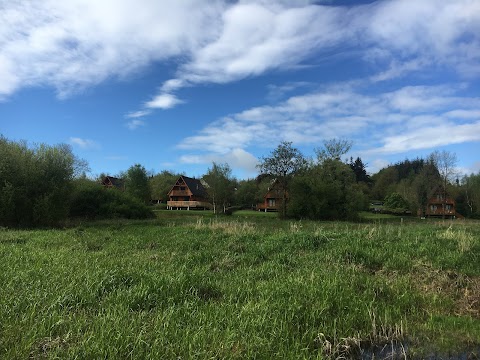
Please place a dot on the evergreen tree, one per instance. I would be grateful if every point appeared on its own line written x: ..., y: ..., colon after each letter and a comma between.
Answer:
x: 359, y: 169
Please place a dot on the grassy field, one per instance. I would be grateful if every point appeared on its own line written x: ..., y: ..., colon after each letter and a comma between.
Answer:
x: 189, y: 285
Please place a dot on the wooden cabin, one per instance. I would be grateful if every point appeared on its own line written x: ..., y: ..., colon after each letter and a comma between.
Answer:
x: 437, y: 206
x: 113, y: 182
x: 189, y: 194
x: 272, y: 201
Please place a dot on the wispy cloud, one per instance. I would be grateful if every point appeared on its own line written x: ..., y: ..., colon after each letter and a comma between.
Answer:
x: 83, y: 143
x: 135, y: 124
x: 137, y: 114
x: 74, y: 44
x: 236, y: 158
x: 265, y: 36
x: 409, y: 118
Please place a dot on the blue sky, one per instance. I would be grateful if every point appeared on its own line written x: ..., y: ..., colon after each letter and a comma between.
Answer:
x: 177, y: 85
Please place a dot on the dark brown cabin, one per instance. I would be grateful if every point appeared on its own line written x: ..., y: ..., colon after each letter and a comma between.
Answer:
x: 441, y: 205
x: 189, y: 194
x: 272, y: 201
x: 113, y: 182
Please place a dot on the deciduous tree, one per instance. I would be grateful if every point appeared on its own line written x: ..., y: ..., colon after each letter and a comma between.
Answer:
x: 282, y: 164
x: 220, y: 186
x: 136, y: 183
x: 445, y: 163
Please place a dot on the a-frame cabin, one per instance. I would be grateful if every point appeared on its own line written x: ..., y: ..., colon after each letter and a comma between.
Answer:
x: 441, y: 204
x: 113, y: 182
x: 272, y: 201
x: 189, y: 194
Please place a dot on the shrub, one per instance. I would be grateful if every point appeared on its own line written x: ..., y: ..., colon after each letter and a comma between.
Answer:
x: 35, y: 183
x: 395, y: 204
x: 92, y: 201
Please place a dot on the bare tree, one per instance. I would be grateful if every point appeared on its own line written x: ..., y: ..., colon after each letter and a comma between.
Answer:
x: 446, y: 163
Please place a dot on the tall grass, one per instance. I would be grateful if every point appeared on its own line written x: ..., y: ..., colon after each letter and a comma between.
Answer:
x: 195, y: 286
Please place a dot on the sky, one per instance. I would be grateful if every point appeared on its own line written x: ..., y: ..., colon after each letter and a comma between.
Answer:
x: 177, y: 85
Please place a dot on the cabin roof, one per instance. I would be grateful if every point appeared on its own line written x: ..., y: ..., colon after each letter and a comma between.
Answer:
x: 195, y: 186
x: 114, y: 181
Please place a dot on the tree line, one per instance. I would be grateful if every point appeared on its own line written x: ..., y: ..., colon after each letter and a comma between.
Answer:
x: 44, y: 185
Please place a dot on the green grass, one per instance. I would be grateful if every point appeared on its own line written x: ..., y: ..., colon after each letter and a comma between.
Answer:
x: 193, y: 285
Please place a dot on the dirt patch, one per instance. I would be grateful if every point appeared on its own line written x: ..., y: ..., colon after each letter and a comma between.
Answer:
x: 43, y: 347
x: 464, y: 290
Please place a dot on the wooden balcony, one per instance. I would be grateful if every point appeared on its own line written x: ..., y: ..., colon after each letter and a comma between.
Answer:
x: 266, y: 208
x: 188, y: 205
x: 180, y: 193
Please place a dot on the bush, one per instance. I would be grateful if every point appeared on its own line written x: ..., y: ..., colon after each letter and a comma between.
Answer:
x: 395, y: 204
x: 92, y: 201
x: 35, y: 183
x: 326, y: 192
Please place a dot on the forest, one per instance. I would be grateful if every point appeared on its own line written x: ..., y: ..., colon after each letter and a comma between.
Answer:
x: 45, y: 185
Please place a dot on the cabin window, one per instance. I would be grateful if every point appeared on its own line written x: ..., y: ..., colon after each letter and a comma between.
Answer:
x: 448, y: 207
x: 271, y: 202
x: 433, y: 208
x: 182, y: 188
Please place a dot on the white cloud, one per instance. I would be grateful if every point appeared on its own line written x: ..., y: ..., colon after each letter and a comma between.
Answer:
x: 163, y: 101
x: 137, y: 114
x: 237, y: 158
x: 376, y: 165
x: 78, y: 43
x: 83, y: 143
x: 463, y: 114
x: 399, y: 36
x: 406, y: 119
x: 134, y: 124
x: 276, y: 92
x: 9, y: 82
x: 73, y: 44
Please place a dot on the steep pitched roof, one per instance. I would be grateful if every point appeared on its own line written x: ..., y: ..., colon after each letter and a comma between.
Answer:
x: 195, y: 186
x: 113, y: 181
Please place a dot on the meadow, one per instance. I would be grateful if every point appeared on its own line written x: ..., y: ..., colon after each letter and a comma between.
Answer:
x: 189, y: 285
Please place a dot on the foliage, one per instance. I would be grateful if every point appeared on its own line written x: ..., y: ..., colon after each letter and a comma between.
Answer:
x: 395, y: 202
x: 283, y: 163
x: 425, y: 183
x: 326, y: 191
x: 162, y: 183
x: 360, y: 171
x: 471, y: 194
x: 245, y: 194
x: 92, y: 201
x: 221, y: 186
x: 385, y: 182
x: 137, y: 184
x: 333, y: 149
x: 413, y: 179
x: 35, y: 183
